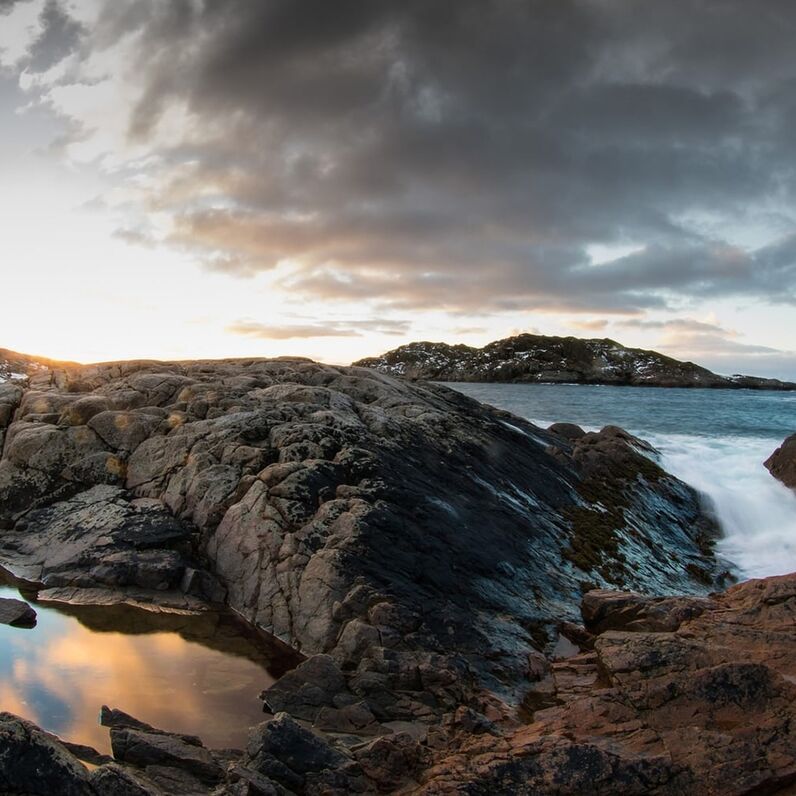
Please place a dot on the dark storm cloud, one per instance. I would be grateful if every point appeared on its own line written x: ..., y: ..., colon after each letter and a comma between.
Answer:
x: 463, y: 155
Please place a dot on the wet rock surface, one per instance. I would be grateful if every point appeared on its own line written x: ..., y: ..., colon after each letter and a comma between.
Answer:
x: 782, y: 463
x: 532, y: 358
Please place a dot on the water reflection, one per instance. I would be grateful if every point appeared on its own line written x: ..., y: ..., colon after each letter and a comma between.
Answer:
x: 192, y: 674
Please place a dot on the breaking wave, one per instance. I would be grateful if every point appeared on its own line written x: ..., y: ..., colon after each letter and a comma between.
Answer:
x: 715, y: 440
x: 756, y: 512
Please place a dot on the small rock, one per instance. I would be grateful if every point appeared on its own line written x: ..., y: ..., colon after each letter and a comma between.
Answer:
x: 113, y: 780
x: 16, y: 613
x: 782, y: 463
x: 283, y: 750
x: 146, y: 749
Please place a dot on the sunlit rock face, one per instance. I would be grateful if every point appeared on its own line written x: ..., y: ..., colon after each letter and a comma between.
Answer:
x: 342, y: 510
x: 672, y: 696
x: 533, y: 358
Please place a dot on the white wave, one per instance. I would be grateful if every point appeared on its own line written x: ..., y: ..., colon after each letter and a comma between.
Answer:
x: 756, y: 512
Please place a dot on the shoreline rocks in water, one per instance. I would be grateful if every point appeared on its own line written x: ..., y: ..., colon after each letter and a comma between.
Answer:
x: 16, y: 613
x: 533, y: 358
x: 782, y: 463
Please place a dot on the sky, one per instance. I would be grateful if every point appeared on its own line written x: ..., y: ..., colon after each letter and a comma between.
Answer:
x: 205, y: 178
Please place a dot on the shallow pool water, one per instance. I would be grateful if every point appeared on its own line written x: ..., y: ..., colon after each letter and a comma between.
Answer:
x: 192, y: 674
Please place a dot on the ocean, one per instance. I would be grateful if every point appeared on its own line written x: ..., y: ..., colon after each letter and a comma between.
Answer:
x: 715, y: 440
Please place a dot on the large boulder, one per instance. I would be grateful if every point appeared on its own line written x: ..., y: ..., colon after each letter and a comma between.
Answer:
x: 346, y: 512
x: 34, y: 763
x: 782, y: 463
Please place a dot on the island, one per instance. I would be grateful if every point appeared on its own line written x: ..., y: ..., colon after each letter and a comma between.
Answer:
x: 541, y: 359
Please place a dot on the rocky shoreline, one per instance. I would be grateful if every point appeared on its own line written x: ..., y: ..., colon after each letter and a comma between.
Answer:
x: 541, y: 359
x: 428, y: 557
x: 664, y: 696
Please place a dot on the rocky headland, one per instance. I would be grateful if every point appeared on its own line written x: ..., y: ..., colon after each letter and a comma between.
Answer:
x: 532, y: 358
x: 462, y: 587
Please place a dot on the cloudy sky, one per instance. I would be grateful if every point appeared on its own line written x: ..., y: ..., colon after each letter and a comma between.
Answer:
x: 188, y: 178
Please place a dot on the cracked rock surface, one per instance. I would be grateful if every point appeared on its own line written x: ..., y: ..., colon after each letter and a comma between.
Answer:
x: 344, y: 511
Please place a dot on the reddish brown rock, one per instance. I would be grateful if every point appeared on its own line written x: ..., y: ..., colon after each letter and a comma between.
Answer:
x: 782, y: 463
x: 707, y: 706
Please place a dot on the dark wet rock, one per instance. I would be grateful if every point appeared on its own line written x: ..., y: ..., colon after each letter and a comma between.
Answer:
x: 99, y: 537
x: 566, y: 430
x: 16, y: 612
x: 32, y: 762
x: 530, y: 358
x: 304, y: 692
x: 782, y: 463
x: 164, y: 750
x: 173, y: 781
x: 88, y: 754
x: 251, y: 783
x: 287, y: 752
x: 114, y: 780
x: 609, y: 610
x: 118, y: 719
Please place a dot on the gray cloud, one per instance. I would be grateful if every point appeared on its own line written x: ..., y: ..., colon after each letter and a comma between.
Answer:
x: 463, y: 156
x: 59, y: 36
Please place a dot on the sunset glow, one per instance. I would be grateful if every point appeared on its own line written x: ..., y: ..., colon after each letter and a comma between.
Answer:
x: 146, y: 215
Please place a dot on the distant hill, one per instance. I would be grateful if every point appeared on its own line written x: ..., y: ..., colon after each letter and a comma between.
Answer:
x: 15, y: 366
x: 536, y: 358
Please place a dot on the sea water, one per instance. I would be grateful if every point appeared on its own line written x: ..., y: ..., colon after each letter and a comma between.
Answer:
x: 715, y: 440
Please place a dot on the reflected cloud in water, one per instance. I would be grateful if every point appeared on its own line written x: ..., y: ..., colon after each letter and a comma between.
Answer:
x: 190, y: 674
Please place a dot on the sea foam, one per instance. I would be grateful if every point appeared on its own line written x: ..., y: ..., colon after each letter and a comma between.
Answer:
x: 756, y: 512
